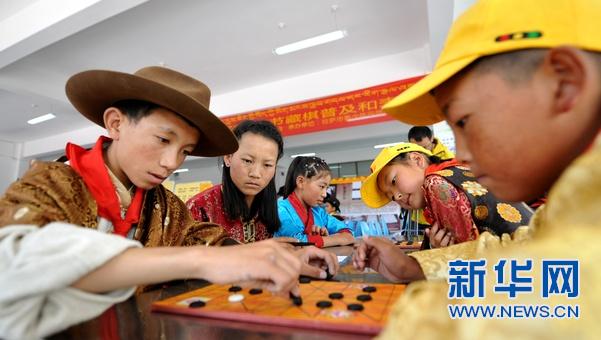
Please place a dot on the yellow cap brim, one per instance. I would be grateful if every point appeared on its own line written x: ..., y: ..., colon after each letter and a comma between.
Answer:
x: 416, y: 105
x: 370, y: 194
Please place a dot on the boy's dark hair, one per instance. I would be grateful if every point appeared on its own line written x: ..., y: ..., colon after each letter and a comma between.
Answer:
x: 333, y: 201
x: 138, y: 109
x: 417, y: 133
x: 303, y: 166
x: 515, y: 66
x: 265, y: 203
x: 135, y: 109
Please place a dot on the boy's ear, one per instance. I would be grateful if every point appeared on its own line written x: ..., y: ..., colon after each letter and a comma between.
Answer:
x: 568, y: 67
x: 113, y: 122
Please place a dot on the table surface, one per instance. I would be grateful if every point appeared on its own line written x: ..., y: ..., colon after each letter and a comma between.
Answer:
x: 132, y: 319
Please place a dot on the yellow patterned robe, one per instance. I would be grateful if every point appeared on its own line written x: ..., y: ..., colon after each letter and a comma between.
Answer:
x: 52, y: 191
x: 569, y: 227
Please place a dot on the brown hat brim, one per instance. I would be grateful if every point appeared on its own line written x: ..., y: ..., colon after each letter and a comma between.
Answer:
x: 92, y: 92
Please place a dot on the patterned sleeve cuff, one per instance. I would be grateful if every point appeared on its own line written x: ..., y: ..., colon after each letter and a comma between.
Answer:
x: 434, y: 262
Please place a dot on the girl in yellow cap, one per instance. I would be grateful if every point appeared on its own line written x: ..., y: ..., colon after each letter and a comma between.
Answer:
x: 454, y: 203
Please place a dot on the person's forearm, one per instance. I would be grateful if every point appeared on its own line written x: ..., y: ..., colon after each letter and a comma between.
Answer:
x: 338, y: 239
x: 412, y: 271
x: 139, y: 266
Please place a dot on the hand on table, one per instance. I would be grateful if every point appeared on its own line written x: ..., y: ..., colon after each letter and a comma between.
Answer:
x: 316, y: 261
x: 387, y: 259
x: 264, y: 264
x: 439, y: 237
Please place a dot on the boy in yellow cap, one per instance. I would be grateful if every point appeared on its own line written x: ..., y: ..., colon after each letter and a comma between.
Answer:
x: 457, y: 207
x: 422, y: 136
x: 515, y: 75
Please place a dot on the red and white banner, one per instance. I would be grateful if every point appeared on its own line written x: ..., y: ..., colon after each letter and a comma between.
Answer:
x: 352, y: 108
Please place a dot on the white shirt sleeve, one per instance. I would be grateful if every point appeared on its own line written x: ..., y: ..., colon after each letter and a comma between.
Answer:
x: 37, y: 268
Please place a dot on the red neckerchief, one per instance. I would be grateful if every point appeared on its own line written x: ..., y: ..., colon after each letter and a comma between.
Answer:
x: 90, y: 165
x: 432, y: 168
x: 109, y: 322
x: 306, y: 216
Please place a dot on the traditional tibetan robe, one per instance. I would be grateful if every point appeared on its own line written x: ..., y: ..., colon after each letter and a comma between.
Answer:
x: 207, y: 206
x: 457, y: 202
x: 52, y: 191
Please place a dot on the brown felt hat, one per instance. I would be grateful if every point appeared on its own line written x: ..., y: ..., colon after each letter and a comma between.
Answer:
x: 92, y: 92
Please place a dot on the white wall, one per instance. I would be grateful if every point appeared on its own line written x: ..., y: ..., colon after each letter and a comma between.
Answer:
x: 460, y: 6
x: 9, y: 164
x: 439, y: 22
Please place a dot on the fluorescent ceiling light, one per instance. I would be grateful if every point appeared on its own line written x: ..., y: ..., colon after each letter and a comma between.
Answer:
x: 366, y: 117
x: 303, y: 154
x: 181, y: 170
x: 380, y: 146
x: 40, y: 119
x: 318, y: 40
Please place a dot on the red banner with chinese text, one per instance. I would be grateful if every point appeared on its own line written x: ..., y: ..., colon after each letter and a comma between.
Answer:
x: 347, y: 109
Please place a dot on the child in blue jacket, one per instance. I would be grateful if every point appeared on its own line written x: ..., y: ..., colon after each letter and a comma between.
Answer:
x: 300, y: 212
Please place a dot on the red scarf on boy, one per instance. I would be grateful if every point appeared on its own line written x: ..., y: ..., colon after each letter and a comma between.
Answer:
x: 306, y: 216
x: 90, y: 165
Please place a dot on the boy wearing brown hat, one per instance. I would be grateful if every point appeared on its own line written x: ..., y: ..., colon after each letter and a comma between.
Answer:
x: 154, y: 119
x: 514, y: 76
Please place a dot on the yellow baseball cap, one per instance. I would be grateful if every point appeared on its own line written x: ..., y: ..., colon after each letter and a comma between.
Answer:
x: 370, y: 194
x: 495, y: 26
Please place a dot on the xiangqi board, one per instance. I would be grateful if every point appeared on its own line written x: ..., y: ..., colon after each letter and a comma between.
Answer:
x: 338, y: 306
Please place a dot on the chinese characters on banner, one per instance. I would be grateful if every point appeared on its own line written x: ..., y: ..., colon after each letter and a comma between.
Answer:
x: 353, y: 108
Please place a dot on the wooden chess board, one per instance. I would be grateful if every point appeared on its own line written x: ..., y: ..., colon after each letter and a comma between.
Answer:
x: 276, y: 310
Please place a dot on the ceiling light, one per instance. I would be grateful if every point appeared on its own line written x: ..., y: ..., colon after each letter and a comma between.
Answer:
x: 40, y: 119
x: 318, y: 40
x: 303, y: 154
x: 380, y: 146
x: 181, y: 170
x: 366, y: 117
